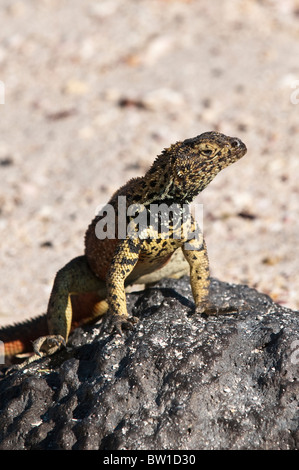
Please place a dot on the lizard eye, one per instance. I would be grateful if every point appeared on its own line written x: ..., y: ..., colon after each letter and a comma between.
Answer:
x: 207, y: 152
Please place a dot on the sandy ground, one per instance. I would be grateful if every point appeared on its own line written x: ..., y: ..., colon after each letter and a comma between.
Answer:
x: 95, y: 89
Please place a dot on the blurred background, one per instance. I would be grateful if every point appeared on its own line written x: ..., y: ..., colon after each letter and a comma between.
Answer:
x: 94, y: 90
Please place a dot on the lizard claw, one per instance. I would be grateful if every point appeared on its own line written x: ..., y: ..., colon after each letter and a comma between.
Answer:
x: 117, y: 323
x: 43, y: 346
x: 48, y: 345
x: 208, y: 308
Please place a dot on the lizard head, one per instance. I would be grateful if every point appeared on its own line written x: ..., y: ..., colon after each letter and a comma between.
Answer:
x: 187, y: 167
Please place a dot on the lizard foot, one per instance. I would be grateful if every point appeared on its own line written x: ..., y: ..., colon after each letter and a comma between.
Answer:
x: 43, y: 346
x: 208, y: 308
x: 48, y: 345
x: 113, y: 323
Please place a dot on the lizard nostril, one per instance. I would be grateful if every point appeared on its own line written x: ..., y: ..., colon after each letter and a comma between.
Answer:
x: 235, y: 143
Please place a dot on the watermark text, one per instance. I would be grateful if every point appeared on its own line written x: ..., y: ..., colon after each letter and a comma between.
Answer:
x: 154, y: 221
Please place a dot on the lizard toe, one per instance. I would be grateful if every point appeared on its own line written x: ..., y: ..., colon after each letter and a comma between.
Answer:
x: 48, y: 345
x: 117, y: 323
x: 209, y: 308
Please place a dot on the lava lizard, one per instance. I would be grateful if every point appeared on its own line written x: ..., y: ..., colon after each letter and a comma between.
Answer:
x: 92, y: 285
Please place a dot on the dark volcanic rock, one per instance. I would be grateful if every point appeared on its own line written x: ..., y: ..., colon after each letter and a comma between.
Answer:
x: 177, y: 381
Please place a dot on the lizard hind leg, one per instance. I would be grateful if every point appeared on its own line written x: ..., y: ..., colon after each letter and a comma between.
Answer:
x: 48, y: 345
x: 65, y: 311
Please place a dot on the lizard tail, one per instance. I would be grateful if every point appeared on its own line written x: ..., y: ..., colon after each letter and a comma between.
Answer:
x: 18, y: 338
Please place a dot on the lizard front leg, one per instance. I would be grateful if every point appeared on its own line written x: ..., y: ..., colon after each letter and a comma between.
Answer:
x: 122, y: 264
x: 197, y: 256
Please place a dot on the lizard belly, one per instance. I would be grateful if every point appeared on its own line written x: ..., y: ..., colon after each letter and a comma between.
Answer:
x: 147, y: 266
x: 154, y: 255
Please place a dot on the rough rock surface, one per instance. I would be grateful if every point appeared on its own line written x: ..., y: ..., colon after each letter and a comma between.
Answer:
x: 177, y: 381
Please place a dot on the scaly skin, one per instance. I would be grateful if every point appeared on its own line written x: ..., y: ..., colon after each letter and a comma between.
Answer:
x: 94, y: 284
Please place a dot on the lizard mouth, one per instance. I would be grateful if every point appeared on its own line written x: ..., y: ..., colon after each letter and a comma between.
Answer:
x: 238, y: 148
